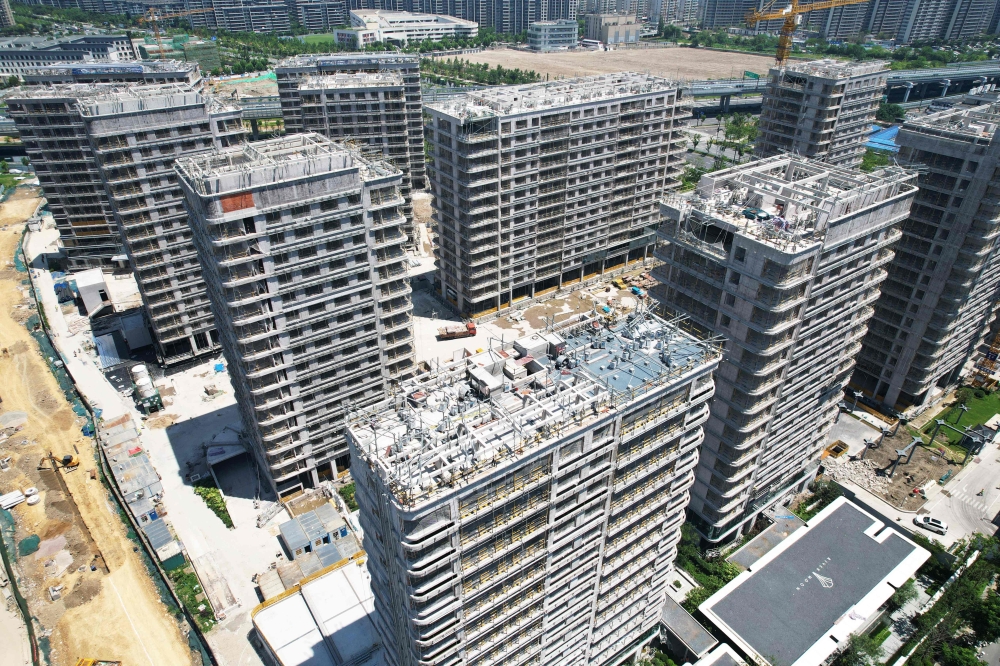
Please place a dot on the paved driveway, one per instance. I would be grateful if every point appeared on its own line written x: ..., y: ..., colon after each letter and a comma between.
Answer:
x: 959, y: 503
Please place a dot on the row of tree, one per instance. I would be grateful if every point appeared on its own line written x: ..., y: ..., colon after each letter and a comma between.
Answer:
x: 457, y: 70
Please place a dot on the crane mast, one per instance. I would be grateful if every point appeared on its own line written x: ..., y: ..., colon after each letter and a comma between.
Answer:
x: 791, y: 15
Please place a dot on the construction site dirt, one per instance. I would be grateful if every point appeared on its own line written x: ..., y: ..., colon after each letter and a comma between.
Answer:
x: 902, y: 490
x: 87, y: 588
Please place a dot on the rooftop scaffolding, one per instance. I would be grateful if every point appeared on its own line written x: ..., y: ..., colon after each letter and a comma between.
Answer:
x: 276, y: 160
x: 785, y: 201
x: 477, y: 415
x: 506, y: 100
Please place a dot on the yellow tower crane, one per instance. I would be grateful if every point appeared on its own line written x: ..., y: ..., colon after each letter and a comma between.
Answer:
x: 154, y: 17
x: 791, y: 15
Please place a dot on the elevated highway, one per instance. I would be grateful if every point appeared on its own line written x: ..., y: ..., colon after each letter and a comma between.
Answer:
x: 903, y: 86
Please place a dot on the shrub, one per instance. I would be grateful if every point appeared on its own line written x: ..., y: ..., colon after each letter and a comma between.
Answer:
x: 208, y: 491
x: 347, y: 492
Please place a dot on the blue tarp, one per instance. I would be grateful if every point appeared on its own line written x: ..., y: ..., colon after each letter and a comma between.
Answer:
x: 883, y: 139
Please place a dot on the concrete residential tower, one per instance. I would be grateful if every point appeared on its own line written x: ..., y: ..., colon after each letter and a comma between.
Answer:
x: 55, y: 138
x: 301, y: 244
x: 821, y: 109
x: 523, y: 505
x: 366, y: 109
x: 547, y: 185
x: 939, y: 297
x: 784, y: 257
x: 134, y: 134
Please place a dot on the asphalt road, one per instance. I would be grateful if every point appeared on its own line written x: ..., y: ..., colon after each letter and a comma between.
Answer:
x: 965, y: 510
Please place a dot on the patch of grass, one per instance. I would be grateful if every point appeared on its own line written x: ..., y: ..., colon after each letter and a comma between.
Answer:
x: 188, y: 588
x: 347, y: 492
x: 208, y: 491
x: 318, y: 39
x: 982, y: 407
x: 882, y: 634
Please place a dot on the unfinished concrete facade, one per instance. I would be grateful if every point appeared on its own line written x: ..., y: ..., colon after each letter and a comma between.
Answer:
x: 130, y: 137
x: 55, y: 139
x: 784, y: 257
x: 523, y: 505
x: 136, y: 134
x: 821, y: 109
x: 548, y: 185
x: 302, y: 249
x: 366, y: 109
x: 368, y: 116
x: 940, y: 295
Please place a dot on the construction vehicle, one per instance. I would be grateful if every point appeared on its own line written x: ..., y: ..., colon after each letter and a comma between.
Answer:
x: 154, y: 17
x: 97, y: 662
x: 68, y: 462
x: 455, y: 331
x: 791, y: 14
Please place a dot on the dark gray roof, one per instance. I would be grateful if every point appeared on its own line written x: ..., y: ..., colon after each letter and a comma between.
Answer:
x: 686, y: 629
x: 158, y: 533
x: 793, y: 600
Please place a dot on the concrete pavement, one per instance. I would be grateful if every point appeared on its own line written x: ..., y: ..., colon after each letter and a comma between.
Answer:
x: 15, y: 650
x: 959, y: 504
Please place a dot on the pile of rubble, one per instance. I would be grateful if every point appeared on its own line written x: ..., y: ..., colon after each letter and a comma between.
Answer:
x: 861, y: 473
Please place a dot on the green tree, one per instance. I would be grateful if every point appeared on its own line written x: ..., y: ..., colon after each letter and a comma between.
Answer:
x: 983, y: 617
x: 890, y: 113
x: 874, y: 159
x: 695, y: 598
x: 661, y: 26
x: 25, y: 161
x: 906, y: 593
x: 861, y: 650
x: 957, y: 655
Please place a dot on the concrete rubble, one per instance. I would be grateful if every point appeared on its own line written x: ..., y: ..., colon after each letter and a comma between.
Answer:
x: 859, y: 472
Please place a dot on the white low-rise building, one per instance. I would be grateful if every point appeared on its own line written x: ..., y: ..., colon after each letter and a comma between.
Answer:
x: 380, y: 25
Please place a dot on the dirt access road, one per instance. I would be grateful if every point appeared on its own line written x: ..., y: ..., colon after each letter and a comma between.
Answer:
x: 114, y: 612
x: 672, y: 63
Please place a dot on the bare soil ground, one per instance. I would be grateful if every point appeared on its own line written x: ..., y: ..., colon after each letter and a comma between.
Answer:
x: 926, y: 466
x: 115, y: 611
x: 673, y: 63
x: 422, y: 213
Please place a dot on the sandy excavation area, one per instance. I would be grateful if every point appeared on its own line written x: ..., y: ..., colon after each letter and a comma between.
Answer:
x: 673, y: 63
x: 111, y: 611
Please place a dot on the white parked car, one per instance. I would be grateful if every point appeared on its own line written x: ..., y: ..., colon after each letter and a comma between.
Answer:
x: 931, y: 524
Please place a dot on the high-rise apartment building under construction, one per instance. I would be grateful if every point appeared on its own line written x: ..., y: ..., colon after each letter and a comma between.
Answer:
x: 822, y: 109
x: 548, y: 185
x: 523, y: 505
x: 941, y: 292
x: 370, y: 98
x: 302, y: 248
x: 784, y: 258
x: 123, y: 143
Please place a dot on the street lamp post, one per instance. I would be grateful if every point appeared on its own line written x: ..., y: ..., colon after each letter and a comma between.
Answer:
x: 939, y: 423
x: 963, y: 409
